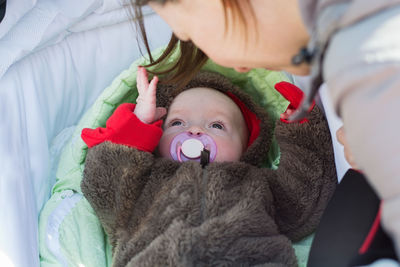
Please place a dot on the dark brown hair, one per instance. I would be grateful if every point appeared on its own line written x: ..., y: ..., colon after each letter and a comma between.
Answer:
x: 190, y: 58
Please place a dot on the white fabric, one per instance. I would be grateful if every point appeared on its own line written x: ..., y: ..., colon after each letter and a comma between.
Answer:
x: 15, y: 11
x: 55, y: 60
x: 55, y: 220
x: 383, y: 263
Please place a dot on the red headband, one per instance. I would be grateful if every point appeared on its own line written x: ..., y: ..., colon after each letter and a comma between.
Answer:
x: 252, y: 122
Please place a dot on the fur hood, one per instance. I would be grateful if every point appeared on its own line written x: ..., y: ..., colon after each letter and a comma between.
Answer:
x: 257, y: 151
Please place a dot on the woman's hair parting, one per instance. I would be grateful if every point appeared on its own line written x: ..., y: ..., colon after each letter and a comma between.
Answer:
x: 190, y: 58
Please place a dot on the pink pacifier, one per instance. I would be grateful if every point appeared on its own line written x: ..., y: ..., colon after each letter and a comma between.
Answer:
x: 186, y: 146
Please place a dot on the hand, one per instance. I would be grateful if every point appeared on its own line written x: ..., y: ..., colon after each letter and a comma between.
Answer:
x: 340, y: 136
x: 146, y: 109
x: 285, y: 115
x: 294, y: 95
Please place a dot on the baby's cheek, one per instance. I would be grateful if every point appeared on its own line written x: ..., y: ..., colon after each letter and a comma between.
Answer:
x: 228, y: 151
x: 163, y: 146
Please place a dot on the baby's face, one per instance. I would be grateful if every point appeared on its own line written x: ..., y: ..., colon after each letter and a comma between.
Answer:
x: 206, y: 111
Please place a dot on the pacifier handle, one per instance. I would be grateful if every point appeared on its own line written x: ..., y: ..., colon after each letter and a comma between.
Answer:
x: 205, y: 157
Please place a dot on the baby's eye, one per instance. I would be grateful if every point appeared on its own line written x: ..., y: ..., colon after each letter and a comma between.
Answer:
x: 217, y: 125
x: 175, y: 123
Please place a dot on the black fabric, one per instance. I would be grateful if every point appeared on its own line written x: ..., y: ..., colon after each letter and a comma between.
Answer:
x: 346, y: 223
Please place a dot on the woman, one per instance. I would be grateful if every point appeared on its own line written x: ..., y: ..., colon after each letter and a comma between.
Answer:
x: 355, y: 42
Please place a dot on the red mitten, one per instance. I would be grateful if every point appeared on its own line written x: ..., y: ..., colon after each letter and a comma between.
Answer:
x: 294, y: 95
x: 123, y: 127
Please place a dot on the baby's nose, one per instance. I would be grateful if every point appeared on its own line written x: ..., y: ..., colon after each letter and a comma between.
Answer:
x: 194, y: 130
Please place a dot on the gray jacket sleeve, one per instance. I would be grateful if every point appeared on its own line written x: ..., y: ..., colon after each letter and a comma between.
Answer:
x: 113, y: 179
x: 306, y: 177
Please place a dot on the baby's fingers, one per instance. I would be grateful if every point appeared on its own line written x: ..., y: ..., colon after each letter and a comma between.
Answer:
x: 142, y: 80
x: 285, y: 115
x: 151, y: 91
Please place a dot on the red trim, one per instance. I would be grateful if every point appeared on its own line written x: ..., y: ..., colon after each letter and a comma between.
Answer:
x: 124, y: 128
x: 252, y: 122
x: 371, y: 234
x: 294, y: 95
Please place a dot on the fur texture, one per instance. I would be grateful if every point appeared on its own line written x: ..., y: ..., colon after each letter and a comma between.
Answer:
x: 159, y: 212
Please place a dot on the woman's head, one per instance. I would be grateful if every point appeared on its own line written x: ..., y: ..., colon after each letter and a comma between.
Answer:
x: 241, y: 34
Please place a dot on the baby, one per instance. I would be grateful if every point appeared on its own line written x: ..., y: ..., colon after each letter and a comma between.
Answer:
x: 202, y: 198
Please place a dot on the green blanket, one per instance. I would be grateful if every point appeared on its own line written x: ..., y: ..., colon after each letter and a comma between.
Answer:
x: 69, y: 231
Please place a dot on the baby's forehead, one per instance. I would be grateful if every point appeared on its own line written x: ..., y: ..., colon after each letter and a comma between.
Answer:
x: 204, y: 94
x: 204, y: 99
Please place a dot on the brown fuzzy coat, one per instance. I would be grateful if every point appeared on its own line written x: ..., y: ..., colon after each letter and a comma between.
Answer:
x: 158, y: 212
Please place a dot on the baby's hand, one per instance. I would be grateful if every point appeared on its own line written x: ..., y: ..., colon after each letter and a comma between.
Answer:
x: 146, y: 109
x: 294, y: 95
